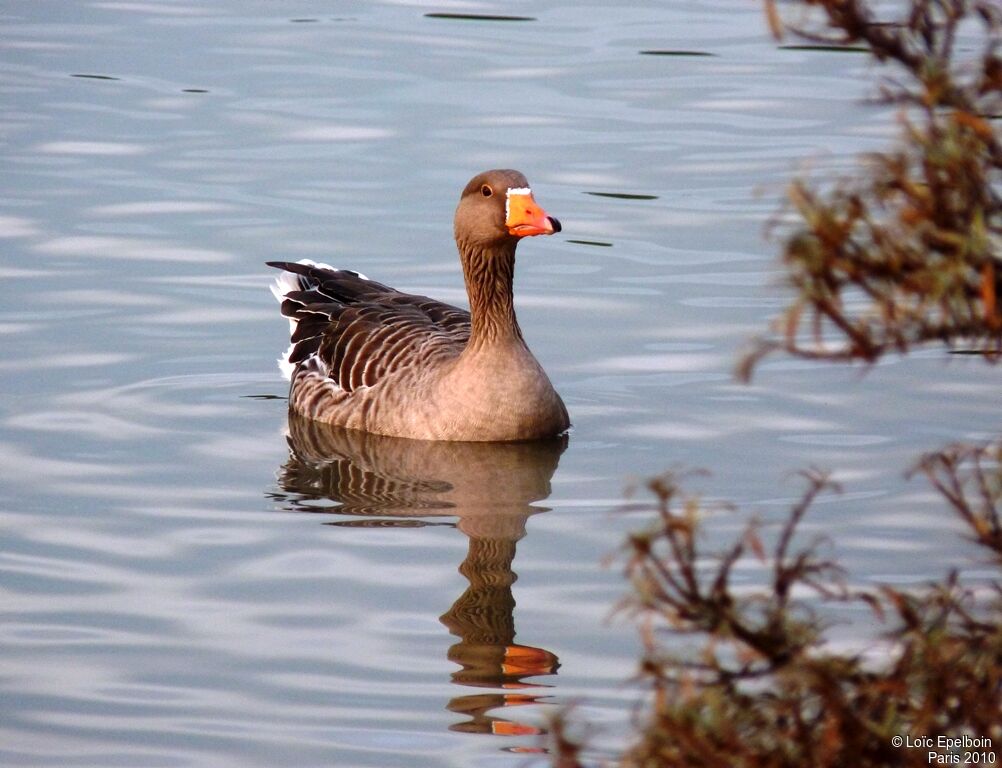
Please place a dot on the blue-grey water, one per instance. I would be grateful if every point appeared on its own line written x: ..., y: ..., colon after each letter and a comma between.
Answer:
x: 189, y: 579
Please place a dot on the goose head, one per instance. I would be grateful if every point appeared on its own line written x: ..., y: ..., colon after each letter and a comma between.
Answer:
x: 497, y: 209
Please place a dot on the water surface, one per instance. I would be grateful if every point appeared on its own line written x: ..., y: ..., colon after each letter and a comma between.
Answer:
x: 191, y: 579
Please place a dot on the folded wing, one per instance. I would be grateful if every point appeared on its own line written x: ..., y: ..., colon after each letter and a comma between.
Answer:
x: 355, y: 331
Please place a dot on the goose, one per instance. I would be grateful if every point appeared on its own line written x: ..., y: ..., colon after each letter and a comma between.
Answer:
x: 366, y: 356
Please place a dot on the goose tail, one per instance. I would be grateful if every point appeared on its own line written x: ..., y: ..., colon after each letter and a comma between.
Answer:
x: 288, y: 282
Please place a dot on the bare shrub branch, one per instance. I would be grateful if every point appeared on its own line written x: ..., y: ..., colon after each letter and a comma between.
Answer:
x: 908, y: 250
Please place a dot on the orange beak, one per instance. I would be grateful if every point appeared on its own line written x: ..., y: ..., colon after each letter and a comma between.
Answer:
x: 525, y: 218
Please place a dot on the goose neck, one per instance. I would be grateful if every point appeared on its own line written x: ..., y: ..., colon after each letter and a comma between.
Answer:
x: 489, y: 273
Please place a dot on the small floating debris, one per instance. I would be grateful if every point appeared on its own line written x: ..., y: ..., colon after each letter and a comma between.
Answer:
x: 304, y: 21
x: 95, y: 77
x: 827, y: 48
x: 658, y: 52
x: 478, y: 17
x: 623, y: 195
x: 194, y: 90
x: 598, y: 243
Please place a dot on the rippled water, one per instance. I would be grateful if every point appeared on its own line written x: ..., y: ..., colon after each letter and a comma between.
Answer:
x: 189, y: 579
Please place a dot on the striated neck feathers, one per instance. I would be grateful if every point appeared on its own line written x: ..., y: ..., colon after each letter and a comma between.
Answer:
x: 489, y: 271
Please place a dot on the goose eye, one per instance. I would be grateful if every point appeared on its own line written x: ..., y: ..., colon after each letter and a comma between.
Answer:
x: 486, y: 191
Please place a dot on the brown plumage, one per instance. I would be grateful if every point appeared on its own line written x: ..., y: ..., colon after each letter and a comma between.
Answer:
x: 366, y: 356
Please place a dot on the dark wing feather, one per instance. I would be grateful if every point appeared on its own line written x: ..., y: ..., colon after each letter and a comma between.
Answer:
x: 360, y: 331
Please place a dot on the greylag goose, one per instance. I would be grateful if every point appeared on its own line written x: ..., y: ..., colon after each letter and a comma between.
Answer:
x: 366, y: 356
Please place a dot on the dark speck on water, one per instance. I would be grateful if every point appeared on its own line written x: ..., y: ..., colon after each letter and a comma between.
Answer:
x: 478, y: 17
x: 95, y: 77
x: 623, y: 195
x: 598, y: 243
x: 655, y: 52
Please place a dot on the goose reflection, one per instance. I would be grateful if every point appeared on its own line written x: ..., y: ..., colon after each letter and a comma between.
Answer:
x: 490, y: 488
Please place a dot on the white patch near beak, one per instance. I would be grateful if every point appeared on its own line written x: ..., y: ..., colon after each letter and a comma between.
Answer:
x: 507, y: 198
